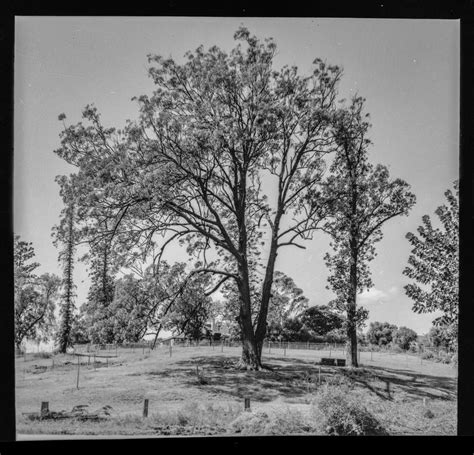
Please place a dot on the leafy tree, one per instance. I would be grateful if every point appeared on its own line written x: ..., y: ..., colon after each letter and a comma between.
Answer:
x: 79, y: 333
x: 34, y: 296
x: 192, y: 167
x: 321, y: 320
x: 441, y: 337
x: 100, y: 314
x: 360, y: 198
x: 404, y: 337
x: 287, y: 300
x: 381, y: 333
x: 434, y: 265
x: 192, y: 310
x: 129, y: 309
x: 294, y: 330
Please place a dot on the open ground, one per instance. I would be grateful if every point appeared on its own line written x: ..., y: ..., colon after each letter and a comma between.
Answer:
x: 196, y: 390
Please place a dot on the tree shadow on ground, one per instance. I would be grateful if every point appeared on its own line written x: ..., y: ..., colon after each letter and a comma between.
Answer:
x: 417, y: 384
x: 288, y: 378
x: 291, y: 378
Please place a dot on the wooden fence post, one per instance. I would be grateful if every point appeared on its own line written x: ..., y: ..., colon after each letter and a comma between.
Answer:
x: 247, y: 404
x: 78, y: 367
x: 44, y: 408
x: 171, y: 350
x: 319, y: 376
x: 145, y: 408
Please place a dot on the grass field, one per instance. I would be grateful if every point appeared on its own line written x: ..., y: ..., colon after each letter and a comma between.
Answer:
x: 196, y: 391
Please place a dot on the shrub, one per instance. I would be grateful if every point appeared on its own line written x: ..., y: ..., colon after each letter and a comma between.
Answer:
x: 454, y: 360
x: 340, y: 414
x: 427, y: 355
x: 42, y: 355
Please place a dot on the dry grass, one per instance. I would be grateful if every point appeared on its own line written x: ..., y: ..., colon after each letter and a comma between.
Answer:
x: 182, y: 402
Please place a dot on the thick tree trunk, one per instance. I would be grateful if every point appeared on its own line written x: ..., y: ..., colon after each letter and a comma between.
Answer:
x: 251, y: 353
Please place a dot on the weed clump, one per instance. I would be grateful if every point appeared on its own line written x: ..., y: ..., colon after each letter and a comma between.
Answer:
x: 340, y: 414
x: 272, y: 423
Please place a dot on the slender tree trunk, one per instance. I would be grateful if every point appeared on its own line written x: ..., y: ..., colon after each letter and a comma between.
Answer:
x: 261, y: 330
x: 351, y: 311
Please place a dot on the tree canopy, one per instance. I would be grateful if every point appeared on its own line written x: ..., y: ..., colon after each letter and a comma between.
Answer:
x: 433, y: 265
x: 193, y: 166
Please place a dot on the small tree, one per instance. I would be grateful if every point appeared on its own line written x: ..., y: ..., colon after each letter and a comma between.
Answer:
x: 35, y: 297
x: 320, y: 320
x: 404, y: 338
x: 434, y: 265
x: 381, y: 333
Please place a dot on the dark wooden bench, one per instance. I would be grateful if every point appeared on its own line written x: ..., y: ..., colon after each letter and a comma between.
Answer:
x: 333, y: 362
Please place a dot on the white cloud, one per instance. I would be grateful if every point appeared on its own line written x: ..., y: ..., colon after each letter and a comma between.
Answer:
x: 374, y: 295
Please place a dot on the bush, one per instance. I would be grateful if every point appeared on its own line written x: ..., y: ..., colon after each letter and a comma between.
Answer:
x: 42, y: 355
x: 454, y: 360
x: 427, y: 355
x: 340, y: 414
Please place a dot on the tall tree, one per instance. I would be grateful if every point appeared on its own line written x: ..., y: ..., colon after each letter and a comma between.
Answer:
x: 35, y: 297
x: 64, y: 234
x: 99, y: 313
x: 217, y: 129
x: 67, y: 306
x: 361, y: 197
x: 434, y: 265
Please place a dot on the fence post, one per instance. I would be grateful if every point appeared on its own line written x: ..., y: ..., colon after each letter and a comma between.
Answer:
x: 171, y: 350
x: 145, y: 408
x: 388, y: 388
x: 269, y: 346
x: 319, y: 376
x: 94, y: 362
x: 44, y: 408
x: 78, y: 368
x: 371, y: 354
x: 284, y: 351
x: 247, y: 404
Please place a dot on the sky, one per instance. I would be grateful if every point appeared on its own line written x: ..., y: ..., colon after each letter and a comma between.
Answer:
x: 408, y: 71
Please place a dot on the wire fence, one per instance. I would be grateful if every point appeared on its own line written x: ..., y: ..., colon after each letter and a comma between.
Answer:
x: 365, y: 353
